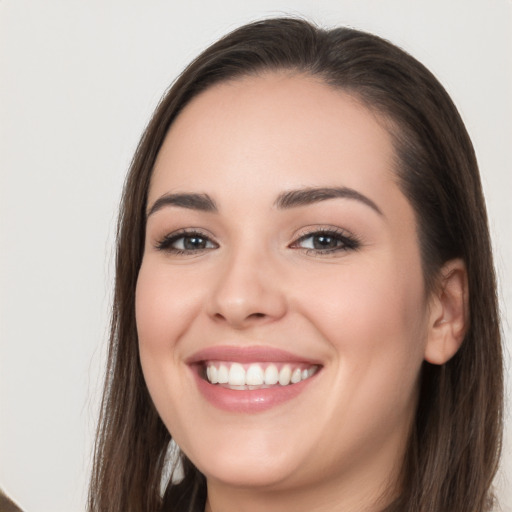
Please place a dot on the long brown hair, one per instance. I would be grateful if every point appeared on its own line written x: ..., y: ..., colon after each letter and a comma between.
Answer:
x: 454, y: 446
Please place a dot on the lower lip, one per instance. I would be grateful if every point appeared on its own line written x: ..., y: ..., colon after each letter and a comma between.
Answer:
x: 249, y: 401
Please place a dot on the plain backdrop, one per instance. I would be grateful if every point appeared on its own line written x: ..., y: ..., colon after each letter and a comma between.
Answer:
x: 78, y: 82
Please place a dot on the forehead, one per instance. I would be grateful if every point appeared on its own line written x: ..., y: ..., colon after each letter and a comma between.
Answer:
x: 290, y: 127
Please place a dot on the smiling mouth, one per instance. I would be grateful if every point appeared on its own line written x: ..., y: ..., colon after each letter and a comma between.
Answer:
x: 251, y: 379
x: 254, y: 376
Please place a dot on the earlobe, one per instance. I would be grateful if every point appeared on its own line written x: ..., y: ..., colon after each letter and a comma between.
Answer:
x: 449, y: 313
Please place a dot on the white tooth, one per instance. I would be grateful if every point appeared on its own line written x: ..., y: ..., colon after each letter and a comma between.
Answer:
x: 285, y: 375
x: 223, y: 374
x: 312, y: 371
x: 236, y: 375
x: 254, y: 375
x: 208, y: 373
x: 271, y: 375
x: 296, y: 376
x: 211, y: 371
x: 304, y: 374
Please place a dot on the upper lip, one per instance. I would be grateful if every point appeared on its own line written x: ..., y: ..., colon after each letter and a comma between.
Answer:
x: 247, y: 354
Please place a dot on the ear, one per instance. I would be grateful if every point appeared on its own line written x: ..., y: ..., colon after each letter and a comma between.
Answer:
x: 449, y: 313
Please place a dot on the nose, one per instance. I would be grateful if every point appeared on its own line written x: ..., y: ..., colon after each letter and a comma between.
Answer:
x: 248, y: 292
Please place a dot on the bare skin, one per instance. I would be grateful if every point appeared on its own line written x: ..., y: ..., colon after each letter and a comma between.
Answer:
x: 334, y: 280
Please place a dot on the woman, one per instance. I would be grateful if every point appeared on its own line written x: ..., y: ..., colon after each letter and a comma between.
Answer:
x: 305, y: 296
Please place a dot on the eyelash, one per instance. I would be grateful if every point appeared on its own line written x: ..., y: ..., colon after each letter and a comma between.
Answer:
x: 166, y: 243
x: 344, y: 242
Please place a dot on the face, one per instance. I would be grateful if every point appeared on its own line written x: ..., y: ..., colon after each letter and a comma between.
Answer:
x: 281, y: 308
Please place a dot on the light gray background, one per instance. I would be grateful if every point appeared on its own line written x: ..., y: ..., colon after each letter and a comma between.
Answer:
x: 78, y: 82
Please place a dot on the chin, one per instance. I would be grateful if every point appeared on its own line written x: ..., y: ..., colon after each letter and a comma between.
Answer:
x: 240, y: 467
x: 245, y: 474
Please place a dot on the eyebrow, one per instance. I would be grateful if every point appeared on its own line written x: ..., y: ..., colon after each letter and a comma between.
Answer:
x: 289, y: 199
x: 306, y: 196
x: 202, y: 202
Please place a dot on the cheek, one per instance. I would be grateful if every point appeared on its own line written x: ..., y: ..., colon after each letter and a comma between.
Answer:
x: 374, y: 317
x: 164, y: 305
x: 381, y: 292
x: 378, y: 330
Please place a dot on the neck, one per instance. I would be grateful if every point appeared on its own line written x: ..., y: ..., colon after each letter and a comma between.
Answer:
x: 325, y: 496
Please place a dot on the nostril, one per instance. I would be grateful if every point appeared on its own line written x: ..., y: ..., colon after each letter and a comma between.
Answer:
x: 234, y: 319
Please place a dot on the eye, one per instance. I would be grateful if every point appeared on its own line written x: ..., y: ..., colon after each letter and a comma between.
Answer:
x: 186, y: 242
x: 326, y: 241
